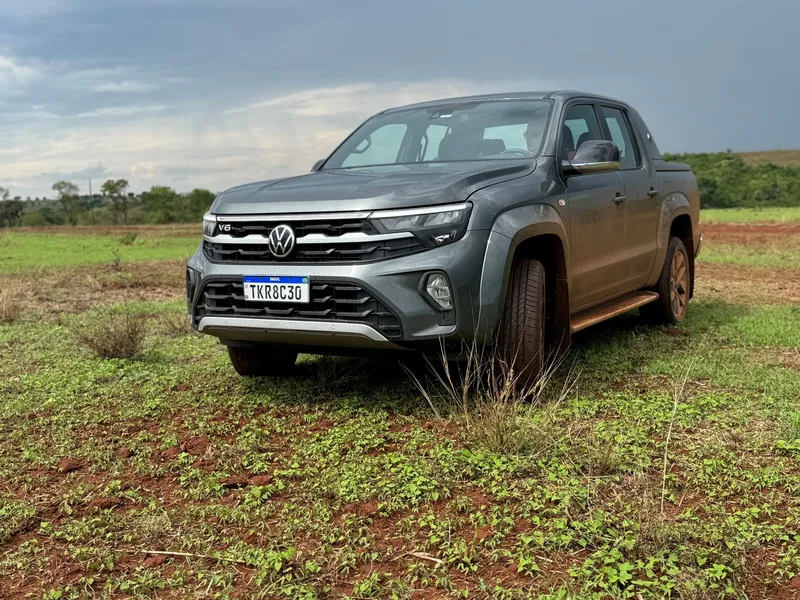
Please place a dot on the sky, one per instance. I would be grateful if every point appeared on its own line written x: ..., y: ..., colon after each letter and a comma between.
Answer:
x: 217, y: 93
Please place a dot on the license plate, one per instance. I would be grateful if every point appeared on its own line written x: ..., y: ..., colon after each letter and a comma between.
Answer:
x: 277, y: 289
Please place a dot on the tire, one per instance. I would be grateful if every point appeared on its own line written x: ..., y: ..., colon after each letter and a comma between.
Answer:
x: 673, y: 287
x: 523, y: 329
x: 260, y: 362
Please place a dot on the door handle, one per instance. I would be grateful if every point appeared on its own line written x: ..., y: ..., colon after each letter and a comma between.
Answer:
x: 619, y: 198
x: 653, y: 192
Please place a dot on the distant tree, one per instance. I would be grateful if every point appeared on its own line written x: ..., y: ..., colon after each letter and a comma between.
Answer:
x: 10, y: 212
x: 68, y: 197
x: 198, y: 201
x: 4, y: 193
x: 163, y: 204
x: 115, y: 190
x: 51, y: 215
x: 34, y: 219
x: 725, y: 180
x: 91, y: 203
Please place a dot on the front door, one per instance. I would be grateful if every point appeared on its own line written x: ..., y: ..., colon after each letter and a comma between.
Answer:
x: 597, y: 221
x: 642, y: 204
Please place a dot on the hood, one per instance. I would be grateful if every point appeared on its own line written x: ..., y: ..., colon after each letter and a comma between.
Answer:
x: 369, y: 189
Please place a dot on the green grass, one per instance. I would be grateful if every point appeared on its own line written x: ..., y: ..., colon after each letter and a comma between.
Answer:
x: 753, y: 255
x: 24, y: 251
x: 339, y: 480
x: 750, y: 215
x: 357, y: 490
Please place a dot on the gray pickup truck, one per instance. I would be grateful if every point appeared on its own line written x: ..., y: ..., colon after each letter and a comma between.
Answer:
x: 513, y: 220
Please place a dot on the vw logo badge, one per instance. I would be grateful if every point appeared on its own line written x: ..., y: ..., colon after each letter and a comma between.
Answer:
x: 281, y: 241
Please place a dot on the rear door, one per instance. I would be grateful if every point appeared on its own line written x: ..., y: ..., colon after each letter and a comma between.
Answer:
x: 597, y: 226
x: 642, y: 203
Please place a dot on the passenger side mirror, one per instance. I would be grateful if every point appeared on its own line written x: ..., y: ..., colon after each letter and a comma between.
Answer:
x: 317, y: 165
x: 593, y: 156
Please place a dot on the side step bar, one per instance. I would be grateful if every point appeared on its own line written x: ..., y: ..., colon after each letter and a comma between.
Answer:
x: 612, y: 310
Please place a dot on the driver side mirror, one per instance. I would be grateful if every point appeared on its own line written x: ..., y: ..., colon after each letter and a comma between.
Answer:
x: 593, y: 156
x: 317, y: 165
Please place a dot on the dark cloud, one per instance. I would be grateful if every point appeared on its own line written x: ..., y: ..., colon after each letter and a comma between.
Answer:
x: 706, y: 75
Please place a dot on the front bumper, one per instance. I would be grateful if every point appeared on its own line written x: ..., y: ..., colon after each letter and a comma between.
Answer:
x: 397, y: 283
x: 295, y: 332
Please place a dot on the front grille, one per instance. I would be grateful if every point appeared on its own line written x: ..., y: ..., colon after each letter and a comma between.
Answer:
x: 328, y: 240
x: 322, y: 252
x: 344, y: 302
x: 332, y: 227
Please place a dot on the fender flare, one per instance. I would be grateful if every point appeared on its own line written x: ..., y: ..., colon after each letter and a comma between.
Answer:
x: 675, y: 205
x: 508, y: 231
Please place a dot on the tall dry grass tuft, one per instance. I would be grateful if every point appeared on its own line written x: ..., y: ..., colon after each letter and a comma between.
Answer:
x: 10, y: 304
x: 175, y: 324
x: 114, y: 335
x: 495, y: 411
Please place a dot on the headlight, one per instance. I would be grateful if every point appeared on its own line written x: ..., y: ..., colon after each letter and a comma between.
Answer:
x: 209, y: 224
x: 436, y: 225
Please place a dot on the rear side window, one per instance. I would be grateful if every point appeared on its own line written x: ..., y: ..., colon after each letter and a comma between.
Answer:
x: 380, y: 147
x: 621, y: 135
x: 580, y: 125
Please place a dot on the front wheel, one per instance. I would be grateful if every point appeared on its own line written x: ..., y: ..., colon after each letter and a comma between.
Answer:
x: 673, y: 287
x: 261, y: 361
x: 523, y: 328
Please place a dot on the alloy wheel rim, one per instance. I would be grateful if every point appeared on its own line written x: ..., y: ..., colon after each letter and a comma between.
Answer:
x: 679, y: 285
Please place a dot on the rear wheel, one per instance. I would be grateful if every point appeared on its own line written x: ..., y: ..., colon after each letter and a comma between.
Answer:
x: 673, y: 287
x: 261, y: 361
x: 523, y: 329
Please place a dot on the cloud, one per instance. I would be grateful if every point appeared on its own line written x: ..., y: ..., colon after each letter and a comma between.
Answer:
x: 34, y: 9
x: 96, y: 171
x: 124, y: 86
x: 121, y: 111
x: 15, y: 75
x: 189, y: 146
x: 365, y: 98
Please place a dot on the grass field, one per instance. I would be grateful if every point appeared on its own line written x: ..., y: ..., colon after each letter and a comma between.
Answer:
x: 60, y: 247
x: 784, y: 158
x: 750, y: 215
x: 670, y: 466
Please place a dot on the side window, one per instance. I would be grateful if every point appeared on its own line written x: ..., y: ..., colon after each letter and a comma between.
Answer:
x: 381, y: 147
x: 434, y: 134
x: 622, y: 137
x: 580, y: 125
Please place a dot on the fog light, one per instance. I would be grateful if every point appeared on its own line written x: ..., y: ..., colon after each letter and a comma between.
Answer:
x: 439, y: 290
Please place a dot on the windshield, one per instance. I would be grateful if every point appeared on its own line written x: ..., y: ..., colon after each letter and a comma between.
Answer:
x: 482, y: 130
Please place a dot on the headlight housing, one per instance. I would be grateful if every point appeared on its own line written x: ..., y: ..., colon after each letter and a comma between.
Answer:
x: 209, y: 224
x: 435, y: 225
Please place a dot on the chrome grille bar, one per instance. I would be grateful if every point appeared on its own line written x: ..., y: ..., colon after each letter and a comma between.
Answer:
x: 313, y: 238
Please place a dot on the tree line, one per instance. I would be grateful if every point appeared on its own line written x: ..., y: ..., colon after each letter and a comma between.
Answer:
x: 114, y: 205
x: 726, y: 181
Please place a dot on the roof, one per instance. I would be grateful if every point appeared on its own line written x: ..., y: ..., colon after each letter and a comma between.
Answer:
x: 556, y: 94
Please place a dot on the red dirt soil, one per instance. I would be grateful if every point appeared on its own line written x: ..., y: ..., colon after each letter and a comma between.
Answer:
x: 750, y: 228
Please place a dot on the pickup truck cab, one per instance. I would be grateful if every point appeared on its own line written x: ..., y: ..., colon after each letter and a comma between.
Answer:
x: 513, y: 220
